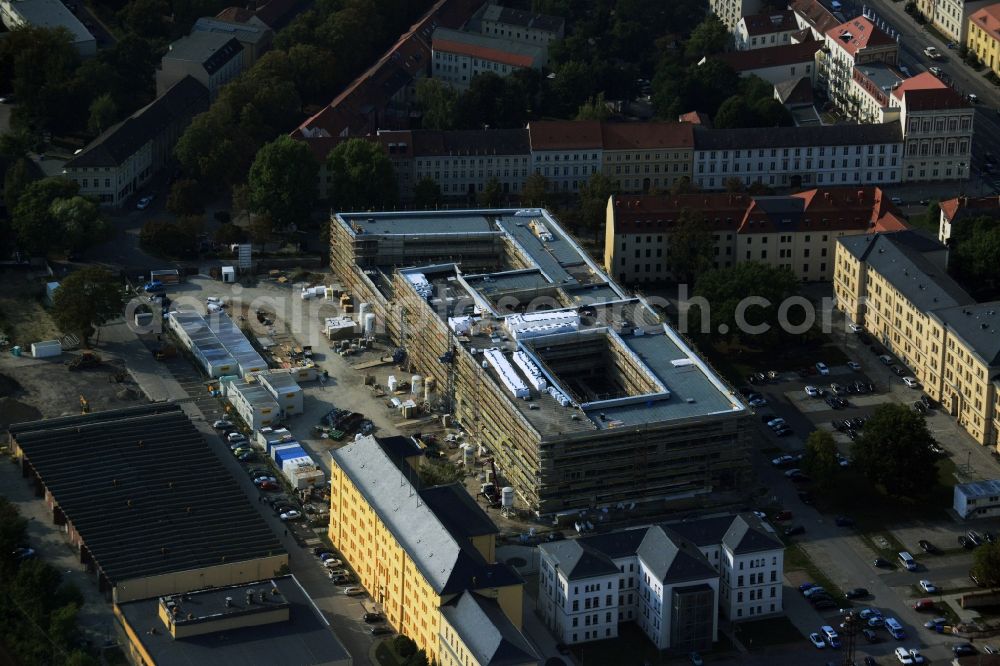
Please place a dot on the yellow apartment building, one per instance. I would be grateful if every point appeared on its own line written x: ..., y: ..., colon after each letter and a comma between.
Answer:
x: 896, y: 285
x: 983, y: 36
x: 418, y: 550
x: 640, y: 157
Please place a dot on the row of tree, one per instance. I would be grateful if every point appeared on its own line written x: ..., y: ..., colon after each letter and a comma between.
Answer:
x: 38, y: 611
x: 975, y: 255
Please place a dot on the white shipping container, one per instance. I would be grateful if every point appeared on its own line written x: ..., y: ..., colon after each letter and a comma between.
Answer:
x: 46, y: 349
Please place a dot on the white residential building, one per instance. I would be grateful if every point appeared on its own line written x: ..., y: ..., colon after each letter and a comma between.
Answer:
x: 798, y: 156
x: 848, y: 45
x: 759, y: 31
x: 48, y: 14
x: 212, y: 58
x: 457, y: 56
x: 519, y: 26
x: 980, y: 499
x: 937, y: 126
x: 731, y: 11
x: 672, y: 580
x: 566, y: 153
x: 775, y: 64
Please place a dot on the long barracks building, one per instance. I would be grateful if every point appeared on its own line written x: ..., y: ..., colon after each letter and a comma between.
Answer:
x: 582, y: 394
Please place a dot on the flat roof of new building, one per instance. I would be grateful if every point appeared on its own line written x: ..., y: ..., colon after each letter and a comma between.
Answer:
x: 554, y: 269
x: 280, y: 381
x: 144, y: 491
x: 305, y: 639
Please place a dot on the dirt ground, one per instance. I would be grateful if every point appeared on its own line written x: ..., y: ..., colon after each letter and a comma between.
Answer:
x: 43, y: 388
x: 23, y: 319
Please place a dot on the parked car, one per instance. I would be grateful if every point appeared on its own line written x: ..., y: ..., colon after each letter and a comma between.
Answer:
x: 783, y: 515
x: 372, y: 617
x: 222, y: 424
x: 911, y: 382
x: 817, y: 641
x: 776, y: 423
x: 781, y: 461
x: 923, y: 605
x: 334, y: 563
x: 927, y: 546
x: 854, y: 365
x: 928, y: 587
x: 794, y: 530
x: 935, y: 623
x: 814, y: 590
x: 932, y: 53
x: 144, y: 202
x: 354, y: 591
x: 291, y: 515
x: 812, y: 391
x: 822, y: 368
x: 380, y: 629
x: 882, y: 563
x: 236, y: 437
x: 963, y: 650
x: 857, y: 593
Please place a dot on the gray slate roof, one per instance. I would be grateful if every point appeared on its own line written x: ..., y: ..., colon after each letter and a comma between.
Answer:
x: 115, y: 145
x: 435, y: 542
x: 211, y: 50
x: 521, y: 18
x: 900, y: 257
x: 471, y: 142
x: 673, y: 558
x: 578, y: 559
x: 978, y: 326
x: 706, y: 138
x: 486, y: 631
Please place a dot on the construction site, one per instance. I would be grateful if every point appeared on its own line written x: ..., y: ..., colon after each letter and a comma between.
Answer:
x: 577, y: 391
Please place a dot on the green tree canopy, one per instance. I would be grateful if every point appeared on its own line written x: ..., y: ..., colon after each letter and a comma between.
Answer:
x: 13, y: 530
x: 736, y: 292
x: 103, y: 113
x: 362, y: 176
x: 40, y: 62
x: 595, y: 108
x: 38, y: 230
x: 16, y: 180
x: 691, y: 248
x: 536, y: 190
x: 894, y: 451
x: 79, y: 222
x: 975, y: 248
x: 426, y: 193
x: 492, y: 194
x: 707, y: 38
x: 175, y: 240
x: 86, y: 299
x: 282, y: 182
x: 185, y: 197
x: 820, y: 460
x: 986, y: 564
x: 437, y: 101
x: 594, y: 195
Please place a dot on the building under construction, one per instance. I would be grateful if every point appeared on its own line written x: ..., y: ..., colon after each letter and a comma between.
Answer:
x: 585, y: 398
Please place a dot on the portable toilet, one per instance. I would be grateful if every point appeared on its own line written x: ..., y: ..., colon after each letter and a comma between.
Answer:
x: 228, y: 274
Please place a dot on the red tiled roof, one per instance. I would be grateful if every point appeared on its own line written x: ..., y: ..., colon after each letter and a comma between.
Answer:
x: 565, y: 134
x: 952, y: 207
x: 814, y: 14
x: 859, y: 34
x: 695, y: 118
x: 357, y: 109
x: 772, y: 56
x: 865, y: 209
x: 988, y: 20
x: 764, y: 24
x: 630, y: 136
x: 922, y: 81
x: 483, y: 53
x: 929, y: 100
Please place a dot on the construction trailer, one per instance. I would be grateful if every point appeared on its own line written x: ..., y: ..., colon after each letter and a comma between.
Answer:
x: 252, y: 402
x: 584, y: 398
x: 284, y: 389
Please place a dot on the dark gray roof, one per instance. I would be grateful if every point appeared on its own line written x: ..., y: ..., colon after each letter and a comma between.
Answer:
x: 487, y: 631
x: 579, y: 559
x: 252, y: 32
x: 978, y: 326
x: 471, y: 142
x: 673, y: 558
x: 183, y: 100
x: 748, y: 534
x: 454, y: 506
x: 706, y: 138
x: 521, y: 18
x: 304, y: 640
x: 617, y: 544
x: 211, y: 50
x: 900, y: 257
x: 144, y: 491
x: 435, y: 542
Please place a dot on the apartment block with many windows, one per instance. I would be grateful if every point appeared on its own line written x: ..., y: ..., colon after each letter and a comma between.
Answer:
x: 797, y: 231
x: 897, y: 286
x: 983, y: 36
x: 758, y: 31
x: 848, y: 45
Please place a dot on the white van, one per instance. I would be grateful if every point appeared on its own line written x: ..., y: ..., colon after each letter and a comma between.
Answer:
x: 893, y: 626
x: 907, y: 560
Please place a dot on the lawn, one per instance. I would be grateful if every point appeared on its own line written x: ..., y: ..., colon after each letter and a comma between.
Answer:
x: 386, y: 655
x: 766, y: 633
x: 797, y: 560
x: 22, y: 317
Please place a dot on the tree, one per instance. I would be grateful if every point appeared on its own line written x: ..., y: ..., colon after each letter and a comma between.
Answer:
x: 419, y: 658
x: 79, y: 222
x: 185, y: 197
x: 404, y: 646
x: 595, y: 108
x: 734, y: 112
x: 894, y: 451
x: 437, y: 101
x: 427, y: 193
x: 975, y: 247
x: 986, y: 564
x: 362, y: 176
x: 260, y: 229
x: 15, y: 181
x: 733, y: 316
x: 229, y: 233
x: 40, y: 63
x: 169, y: 239
x: 820, y: 460
x: 38, y: 232
x: 734, y: 185
x: 707, y: 38
x: 282, y: 182
x: 594, y: 195
x: 491, y: 195
x: 536, y: 189
x: 103, y: 114
x: 13, y: 530
x: 691, y: 247
x: 85, y: 300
